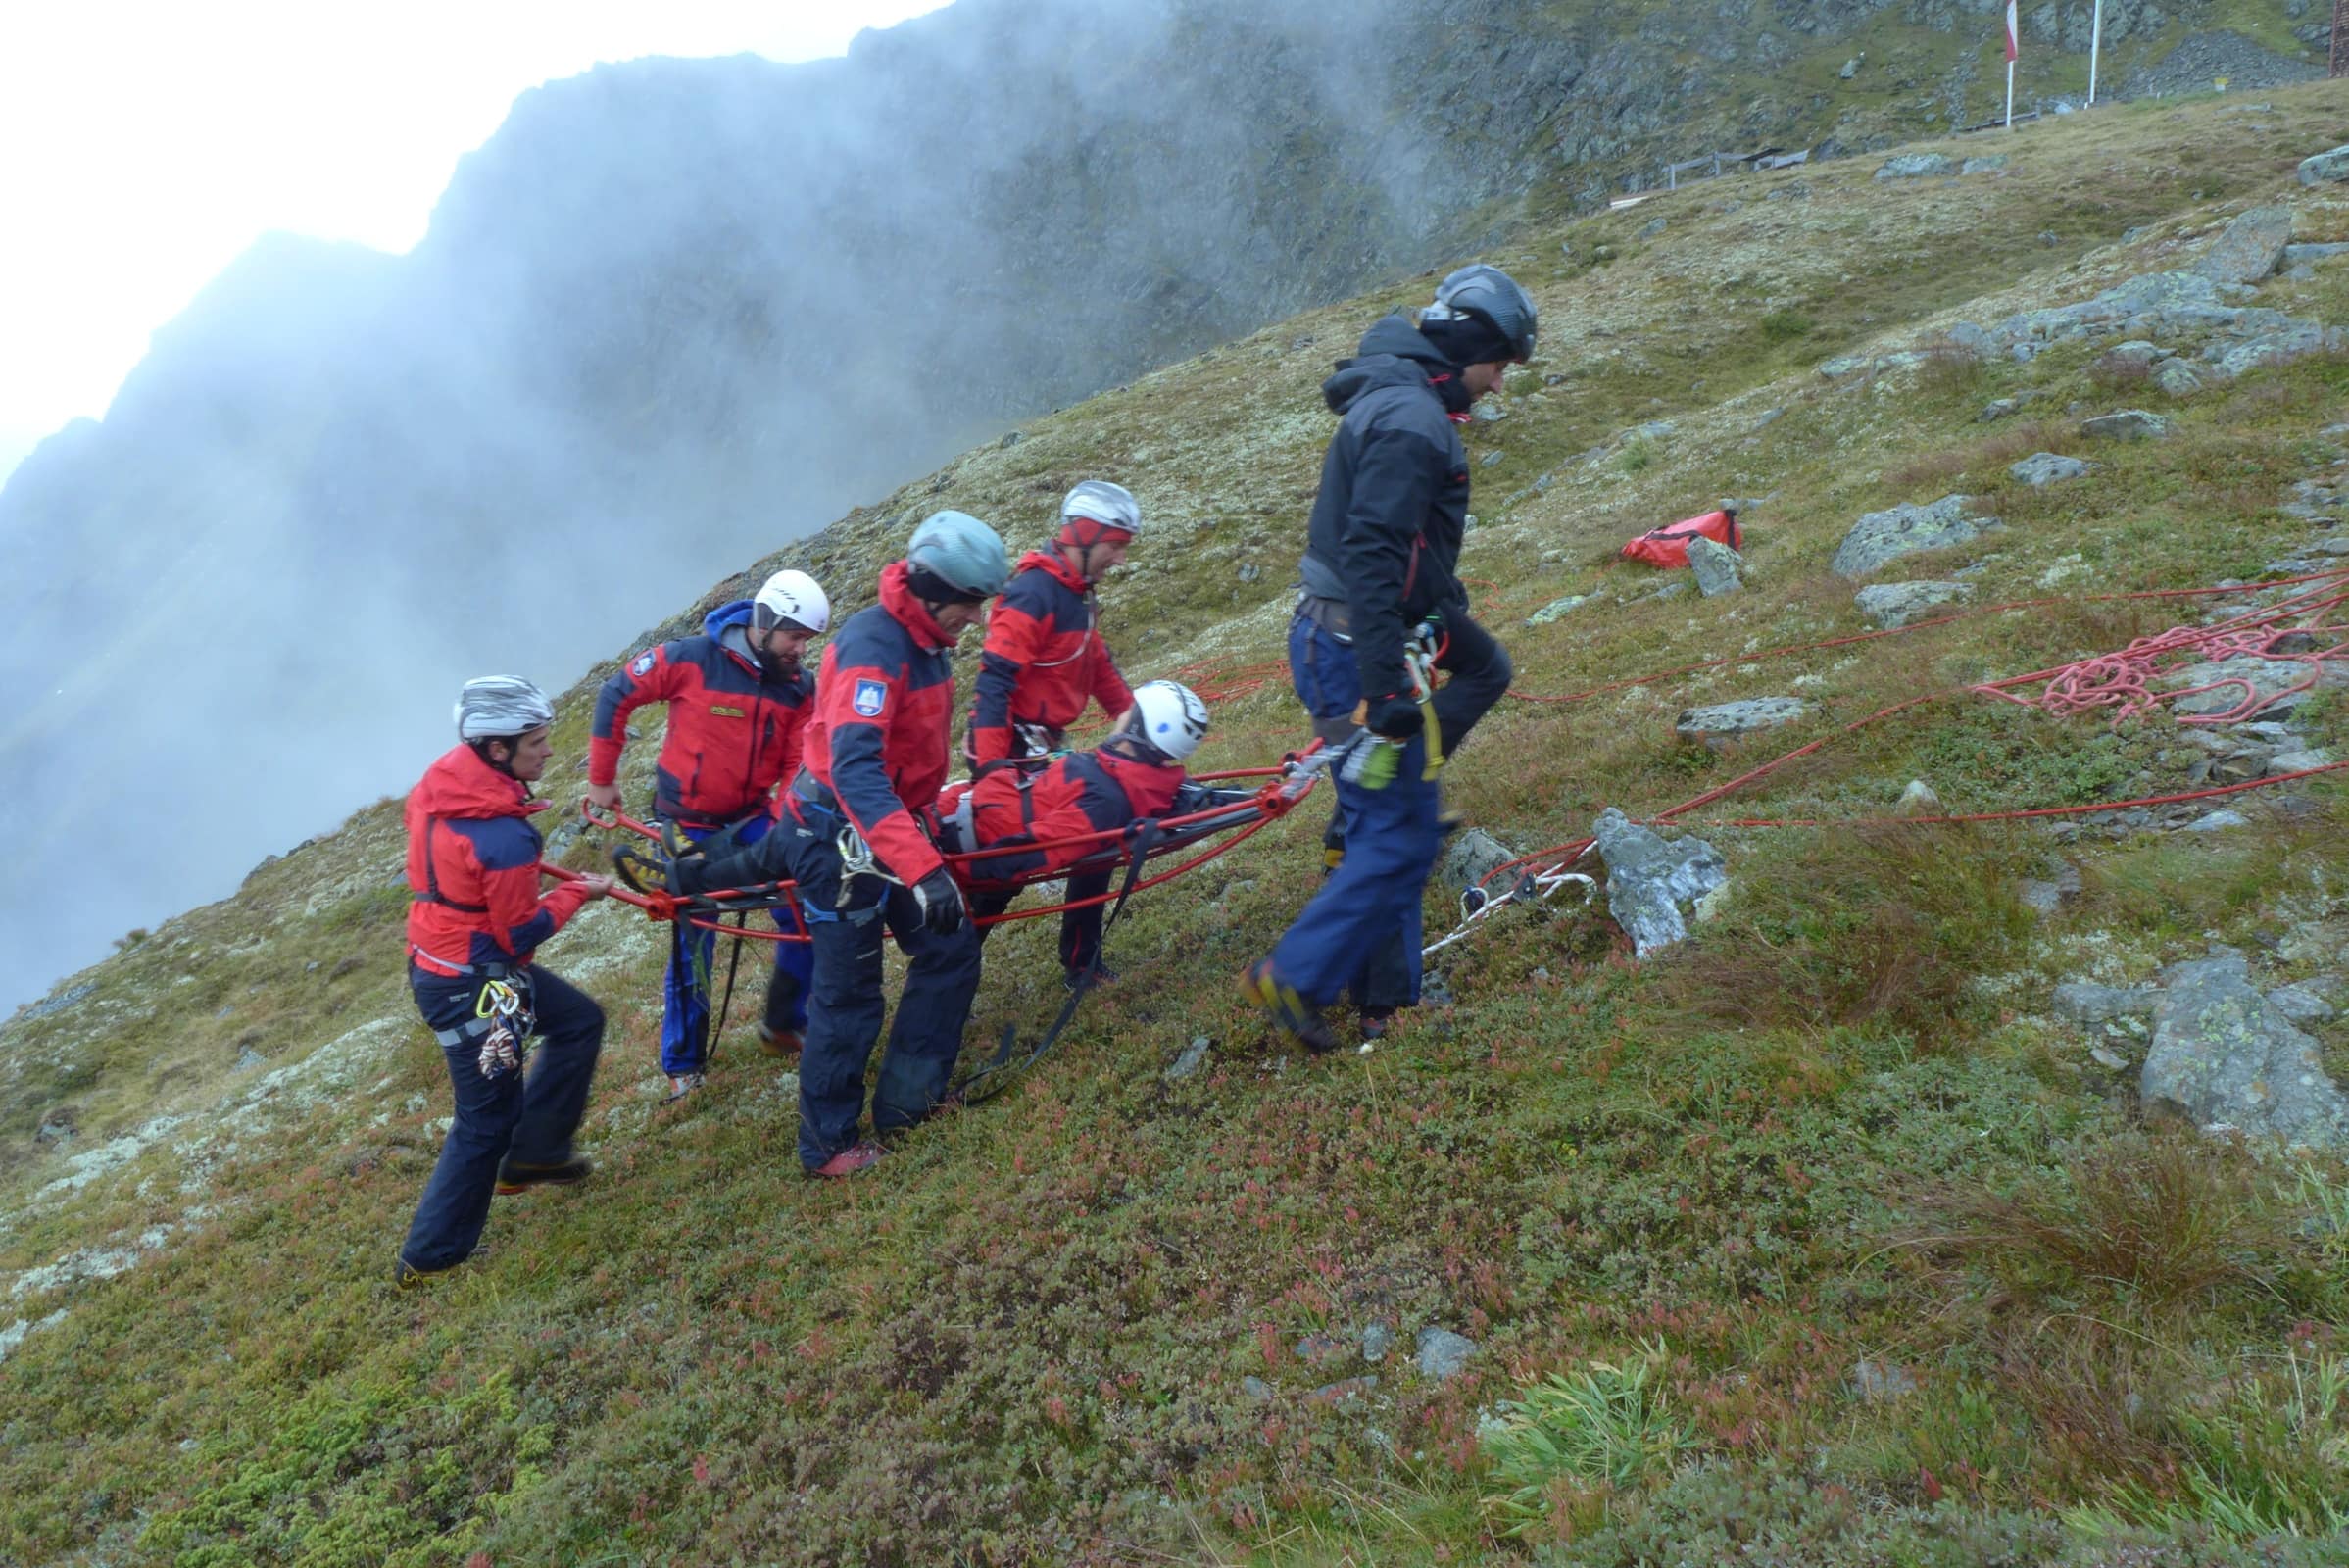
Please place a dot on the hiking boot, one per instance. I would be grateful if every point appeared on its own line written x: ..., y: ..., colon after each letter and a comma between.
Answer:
x: 681, y: 1083
x: 781, y: 1044
x: 516, y: 1176
x: 1288, y: 1010
x: 407, y: 1276
x: 849, y: 1161
x: 1101, y: 974
x: 1376, y: 1021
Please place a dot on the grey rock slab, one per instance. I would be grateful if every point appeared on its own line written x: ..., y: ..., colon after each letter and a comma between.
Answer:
x: 1729, y: 720
x: 1194, y: 1056
x: 1879, y: 537
x: 1914, y: 165
x: 2178, y: 379
x: 1469, y: 857
x: 2297, y: 762
x: 2040, y: 897
x: 1973, y: 339
x: 2333, y: 165
x: 1649, y: 877
x: 1717, y: 567
x: 1896, y: 604
x: 2126, y: 424
x: 2046, y: 467
x: 2218, y: 821
x: 1378, y: 1341
x: 2234, y: 681
x: 2221, y: 1056
x: 2304, y: 255
x: 2301, y: 1005
x: 2086, y: 1002
x: 2248, y: 249
x: 1557, y: 607
x: 1990, y: 165
x: 1255, y: 1388
x: 2278, y: 345
x: 1444, y: 1353
x: 2135, y: 353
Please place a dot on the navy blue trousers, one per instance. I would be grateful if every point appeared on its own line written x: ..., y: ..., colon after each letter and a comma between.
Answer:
x: 1370, y: 904
x: 504, y: 1117
x: 685, y: 987
x: 846, y: 1009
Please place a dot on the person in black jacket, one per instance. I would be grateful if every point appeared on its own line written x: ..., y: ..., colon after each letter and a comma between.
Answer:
x: 1382, y: 561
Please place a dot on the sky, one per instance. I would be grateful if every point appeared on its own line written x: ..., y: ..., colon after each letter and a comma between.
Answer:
x: 143, y: 146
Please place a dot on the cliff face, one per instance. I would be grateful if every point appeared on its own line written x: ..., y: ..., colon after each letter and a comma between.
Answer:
x: 677, y: 313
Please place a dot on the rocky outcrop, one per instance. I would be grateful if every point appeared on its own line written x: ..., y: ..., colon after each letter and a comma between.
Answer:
x: 1724, y: 721
x: 2046, y: 467
x: 2224, y: 1055
x: 2326, y: 166
x: 1896, y: 604
x: 1649, y: 877
x: 2248, y: 249
x: 1719, y: 569
x: 1881, y: 537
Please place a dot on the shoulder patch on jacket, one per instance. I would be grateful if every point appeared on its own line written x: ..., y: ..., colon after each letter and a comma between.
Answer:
x: 642, y: 665
x: 870, y: 698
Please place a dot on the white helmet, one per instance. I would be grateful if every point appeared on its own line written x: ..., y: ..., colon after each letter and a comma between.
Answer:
x: 497, y: 708
x: 1169, y: 716
x: 1112, y: 505
x: 791, y: 598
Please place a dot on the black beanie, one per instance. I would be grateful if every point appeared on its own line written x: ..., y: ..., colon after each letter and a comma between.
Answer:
x: 1468, y: 339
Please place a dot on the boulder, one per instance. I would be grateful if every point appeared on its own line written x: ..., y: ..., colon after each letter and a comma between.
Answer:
x: 1444, y: 1355
x: 2248, y: 249
x: 1912, y: 165
x: 1883, y: 536
x: 1990, y: 165
x: 2322, y: 166
x: 1919, y: 798
x: 1469, y: 855
x: 2086, y: 1002
x: 1377, y: 1341
x: 2279, y: 343
x: 2310, y: 254
x: 2301, y: 1005
x: 1649, y: 878
x: 1896, y: 604
x: 2218, y: 821
x: 2297, y: 762
x: 2253, y: 674
x: 2178, y: 379
x: 1557, y: 607
x: 2126, y: 425
x: 2221, y: 1056
x: 1194, y: 1056
x: 2046, y: 467
x: 1716, y: 567
x: 2134, y: 355
x: 1723, y: 721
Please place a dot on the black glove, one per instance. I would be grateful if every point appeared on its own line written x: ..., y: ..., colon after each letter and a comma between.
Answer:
x: 941, y: 902
x: 689, y: 876
x: 1393, y: 717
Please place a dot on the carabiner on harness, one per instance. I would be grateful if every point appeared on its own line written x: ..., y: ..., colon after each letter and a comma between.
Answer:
x: 509, y: 1024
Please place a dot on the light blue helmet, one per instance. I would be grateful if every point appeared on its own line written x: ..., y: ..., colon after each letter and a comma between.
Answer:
x: 960, y: 553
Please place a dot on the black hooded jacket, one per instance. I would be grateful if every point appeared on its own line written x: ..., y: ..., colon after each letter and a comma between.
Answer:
x: 1387, y: 524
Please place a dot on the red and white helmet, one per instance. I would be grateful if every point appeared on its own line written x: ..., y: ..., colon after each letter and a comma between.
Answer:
x: 1110, y: 508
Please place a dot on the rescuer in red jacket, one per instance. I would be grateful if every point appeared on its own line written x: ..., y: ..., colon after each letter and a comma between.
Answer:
x: 852, y: 839
x: 1045, y: 658
x: 1024, y: 816
x: 738, y: 697
x: 473, y: 929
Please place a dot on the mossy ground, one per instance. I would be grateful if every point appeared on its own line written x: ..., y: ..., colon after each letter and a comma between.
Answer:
x: 1836, y: 1127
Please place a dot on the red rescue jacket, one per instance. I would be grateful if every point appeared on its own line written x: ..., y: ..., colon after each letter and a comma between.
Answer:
x: 733, y: 731
x: 882, y: 734
x: 1044, y: 659
x: 473, y: 867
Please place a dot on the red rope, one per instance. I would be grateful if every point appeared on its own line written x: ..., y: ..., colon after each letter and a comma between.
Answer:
x: 2077, y: 681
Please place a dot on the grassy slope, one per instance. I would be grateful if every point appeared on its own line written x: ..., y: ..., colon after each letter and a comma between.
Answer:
x: 1025, y: 1340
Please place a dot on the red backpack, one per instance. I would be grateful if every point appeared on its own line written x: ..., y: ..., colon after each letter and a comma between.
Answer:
x: 1669, y: 546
